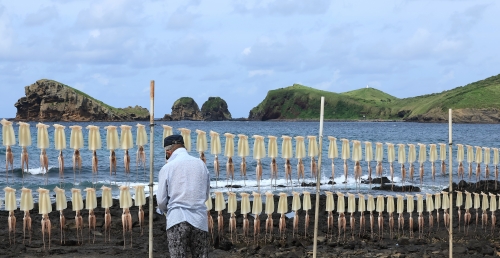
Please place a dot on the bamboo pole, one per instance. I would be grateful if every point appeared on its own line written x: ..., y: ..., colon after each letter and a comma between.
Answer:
x: 450, y: 192
x: 318, y: 179
x: 151, y: 166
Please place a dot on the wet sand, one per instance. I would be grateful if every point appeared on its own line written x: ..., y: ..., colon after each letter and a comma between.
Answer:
x: 478, y: 242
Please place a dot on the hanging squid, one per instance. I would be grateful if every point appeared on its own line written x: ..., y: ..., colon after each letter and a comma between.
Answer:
x: 256, y: 210
x: 380, y: 210
x: 77, y: 203
x: 231, y: 209
x: 76, y: 143
x: 370, y: 206
x: 296, y: 205
x: 412, y: 157
x: 245, y: 209
x: 312, y: 153
x: 186, y: 136
x: 60, y: 145
x: 126, y: 143
x: 361, y: 209
x: 282, y: 209
x: 400, y: 208
x: 402, y: 161
x: 420, y: 211
x: 467, y: 215
x: 11, y: 206
x: 345, y: 156
x: 422, y: 157
x: 215, y: 149
x: 24, y: 142
x: 460, y: 160
x: 333, y: 152
x: 220, y: 205
x: 167, y: 131
x: 446, y: 205
x: 329, y: 207
x: 437, y: 206
x: 356, y: 157
x: 433, y: 158
x: 125, y: 204
x: 112, y: 144
x: 442, y: 157
x: 91, y: 204
x: 243, y: 151
x: 390, y: 211
x: 43, y: 144
x: 306, y: 205
x: 44, y: 208
x: 340, y: 210
x: 201, y: 144
x: 139, y: 201
x: 287, y: 154
x: 300, y: 153
x: 391, y: 157
x: 26, y: 205
x: 410, y: 207
x: 379, y: 156
x: 470, y: 159
x: 141, y: 140
x: 61, y: 204
x: 493, y: 208
x: 272, y: 152
x: 477, y: 206
x: 429, y: 204
x: 495, y: 164
x: 106, y: 203
x: 269, y: 211
x: 351, y: 208
x: 368, y: 159
x: 259, y: 152
x: 229, y: 153
x: 487, y: 155
x: 208, y: 203
x: 8, y: 139
x: 484, y: 205
x: 94, y: 139
x: 458, y: 202
x: 479, y: 159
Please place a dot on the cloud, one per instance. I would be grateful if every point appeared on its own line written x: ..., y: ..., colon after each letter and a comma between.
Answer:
x: 6, y: 32
x: 260, y: 73
x: 111, y: 14
x: 42, y: 16
x: 182, y: 18
x: 281, y: 7
x: 463, y: 22
x: 327, y: 85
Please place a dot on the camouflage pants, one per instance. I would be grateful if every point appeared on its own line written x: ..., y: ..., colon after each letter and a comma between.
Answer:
x: 184, y: 235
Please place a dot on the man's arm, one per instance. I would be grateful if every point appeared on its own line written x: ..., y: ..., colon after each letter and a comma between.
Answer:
x: 162, y: 192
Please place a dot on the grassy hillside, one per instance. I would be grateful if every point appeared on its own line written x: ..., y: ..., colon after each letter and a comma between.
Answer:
x: 301, y: 102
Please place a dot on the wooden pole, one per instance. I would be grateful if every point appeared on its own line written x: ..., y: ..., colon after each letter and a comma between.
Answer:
x: 318, y: 179
x: 151, y: 164
x: 450, y: 171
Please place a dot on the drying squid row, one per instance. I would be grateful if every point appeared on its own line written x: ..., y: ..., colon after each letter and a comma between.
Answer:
x: 26, y: 204
x: 436, y: 206
x: 113, y: 141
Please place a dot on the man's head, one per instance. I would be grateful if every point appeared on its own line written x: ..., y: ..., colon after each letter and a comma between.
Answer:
x: 171, y: 143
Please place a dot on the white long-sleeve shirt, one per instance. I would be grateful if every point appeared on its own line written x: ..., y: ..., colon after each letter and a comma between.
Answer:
x: 183, y: 188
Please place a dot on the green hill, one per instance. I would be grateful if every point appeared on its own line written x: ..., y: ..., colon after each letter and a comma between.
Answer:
x: 479, y: 101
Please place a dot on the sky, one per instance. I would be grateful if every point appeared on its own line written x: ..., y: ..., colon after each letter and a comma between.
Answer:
x: 240, y: 49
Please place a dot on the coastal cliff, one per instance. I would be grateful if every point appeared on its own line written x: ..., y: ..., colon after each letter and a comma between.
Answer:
x: 215, y: 109
x: 48, y: 100
x: 185, y: 108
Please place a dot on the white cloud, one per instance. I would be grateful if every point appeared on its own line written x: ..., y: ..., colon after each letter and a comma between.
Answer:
x: 42, y: 16
x: 247, y: 51
x: 281, y: 7
x: 260, y: 73
x: 101, y: 79
x: 328, y: 85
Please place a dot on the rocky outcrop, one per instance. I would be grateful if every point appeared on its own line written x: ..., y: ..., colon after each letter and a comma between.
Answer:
x: 48, y: 100
x: 464, y: 115
x: 215, y: 109
x: 186, y: 108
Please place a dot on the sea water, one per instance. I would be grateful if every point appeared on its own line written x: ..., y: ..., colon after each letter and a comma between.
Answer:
x: 484, y: 135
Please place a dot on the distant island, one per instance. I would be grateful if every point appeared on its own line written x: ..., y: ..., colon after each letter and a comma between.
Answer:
x: 478, y: 102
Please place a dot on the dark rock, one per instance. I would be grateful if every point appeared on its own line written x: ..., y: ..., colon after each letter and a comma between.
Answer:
x: 377, y: 180
x: 331, y: 182
x: 458, y: 249
x: 309, y: 184
x: 397, y: 188
x: 215, y: 109
x: 402, y: 241
x: 224, y: 245
x: 233, y: 186
x: 487, y: 250
x: 186, y: 108
x: 48, y: 100
x: 167, y: 117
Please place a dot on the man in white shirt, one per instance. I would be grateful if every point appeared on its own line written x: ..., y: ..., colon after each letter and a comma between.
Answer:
x: 183, y: 188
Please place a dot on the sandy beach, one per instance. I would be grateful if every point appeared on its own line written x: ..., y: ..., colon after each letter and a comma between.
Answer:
x: 478, y: 243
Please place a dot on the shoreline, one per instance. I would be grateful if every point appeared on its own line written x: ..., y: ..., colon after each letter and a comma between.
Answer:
x: 434, y: 242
